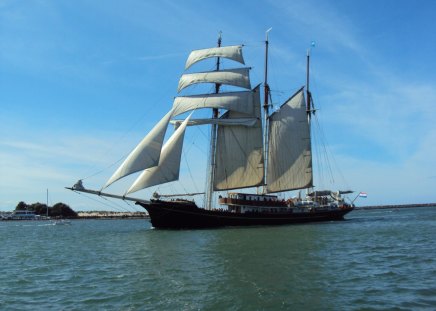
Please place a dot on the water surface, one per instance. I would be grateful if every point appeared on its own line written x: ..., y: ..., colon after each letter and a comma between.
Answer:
x: 377, y: 259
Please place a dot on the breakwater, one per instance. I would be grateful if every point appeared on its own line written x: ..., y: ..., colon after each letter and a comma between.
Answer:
x: 391, y: 206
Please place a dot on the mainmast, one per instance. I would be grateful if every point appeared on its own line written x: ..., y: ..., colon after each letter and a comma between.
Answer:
x: 266, y: 109
x: 213, y: 133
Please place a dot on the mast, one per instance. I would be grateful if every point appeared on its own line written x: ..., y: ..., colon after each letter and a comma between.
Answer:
x: 265, y: 110
x: 213, y: 133
x: 308, y: 104
x: 308, y: 98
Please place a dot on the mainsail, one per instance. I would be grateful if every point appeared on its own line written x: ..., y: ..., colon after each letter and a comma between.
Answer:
x: 289, y: 164
x: 239, y: 159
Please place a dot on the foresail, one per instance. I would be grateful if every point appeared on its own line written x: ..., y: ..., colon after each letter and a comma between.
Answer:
x: 236, y: 77
x: 235, y: 101
x: 146, y: 154
x: 289, y: 152
x: 230, y: 52
x: 169, y: 163
x: 239, y: 152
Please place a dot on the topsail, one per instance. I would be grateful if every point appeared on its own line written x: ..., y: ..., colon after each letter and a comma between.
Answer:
x: 230, y: 52
x: 235, y: 77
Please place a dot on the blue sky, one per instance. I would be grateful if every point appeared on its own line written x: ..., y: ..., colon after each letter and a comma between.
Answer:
x: 82, y: 81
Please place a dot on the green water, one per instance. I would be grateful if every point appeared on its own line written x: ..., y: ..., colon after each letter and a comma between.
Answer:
x: 379, y: 259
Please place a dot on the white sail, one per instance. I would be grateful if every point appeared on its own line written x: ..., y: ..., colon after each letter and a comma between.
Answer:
x: 239, y: 152
x: 169, y: 163
x: 235, y: 101
x: 289, y: 152
x: 228, y: 122
x: 146, y: 154
x: 230, y: 52
x: 236, y: 77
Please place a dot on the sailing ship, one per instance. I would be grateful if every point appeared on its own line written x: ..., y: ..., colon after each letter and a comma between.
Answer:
x: 270, y: 152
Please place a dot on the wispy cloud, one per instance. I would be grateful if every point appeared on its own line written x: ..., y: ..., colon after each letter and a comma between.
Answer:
x: 381, y: 118
x: 159, y: 57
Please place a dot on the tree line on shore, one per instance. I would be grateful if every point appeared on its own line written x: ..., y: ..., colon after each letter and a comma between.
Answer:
x: 57, y: 210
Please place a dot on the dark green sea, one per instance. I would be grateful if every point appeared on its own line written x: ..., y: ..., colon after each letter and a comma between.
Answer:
x: 375, y: 260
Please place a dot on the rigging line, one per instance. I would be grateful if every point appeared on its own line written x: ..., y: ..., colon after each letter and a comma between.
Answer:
x: 324, y: 147
x: 103, y: 169
x: 91, y: 198
x: 190, y: 144
x: 183, y: 187
x: 133, y: 206
x: 319, y: 157
x: 109, y: 149
x: 318, y: 162
x: 199, y: 149
x: 110, y: 203
x: 337, y: 167
x: 203, y: 133
x: 318, y: 144
x: 190, y: 173
x: 327, y: 153
x: 115, y: 206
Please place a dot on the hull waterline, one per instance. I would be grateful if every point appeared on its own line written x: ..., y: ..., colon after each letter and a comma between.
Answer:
x: 186, y: 215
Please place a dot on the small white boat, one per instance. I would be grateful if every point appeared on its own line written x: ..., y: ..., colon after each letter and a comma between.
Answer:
x: 60, y: 222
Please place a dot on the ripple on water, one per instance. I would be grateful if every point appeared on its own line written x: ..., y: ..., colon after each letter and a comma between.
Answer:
x: 375, y: 260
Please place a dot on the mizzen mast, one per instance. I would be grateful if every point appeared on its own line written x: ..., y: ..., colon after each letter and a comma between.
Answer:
x: 308, y: 95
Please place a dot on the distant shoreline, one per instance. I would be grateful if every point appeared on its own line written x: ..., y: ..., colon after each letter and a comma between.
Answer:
x: 83, y: 215
x: 143, y: 215
x: 396, y: 206
x: 112, y: 215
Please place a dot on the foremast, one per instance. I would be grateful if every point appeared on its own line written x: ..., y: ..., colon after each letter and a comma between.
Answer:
x: 265, y: 112
x: 212, y: 152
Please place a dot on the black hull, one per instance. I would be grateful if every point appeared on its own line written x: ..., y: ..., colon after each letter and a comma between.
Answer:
x: 186, y: 215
